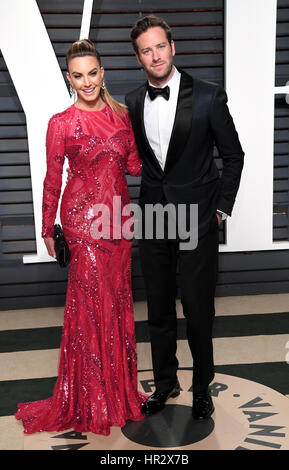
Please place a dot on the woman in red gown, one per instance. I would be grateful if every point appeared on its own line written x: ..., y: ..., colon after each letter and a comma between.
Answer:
x: 97, y: 372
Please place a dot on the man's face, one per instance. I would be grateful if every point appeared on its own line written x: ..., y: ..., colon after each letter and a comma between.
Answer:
x: 155, y: 54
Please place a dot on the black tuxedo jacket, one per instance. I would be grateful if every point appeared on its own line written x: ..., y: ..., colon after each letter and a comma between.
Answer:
x: 190, y: 175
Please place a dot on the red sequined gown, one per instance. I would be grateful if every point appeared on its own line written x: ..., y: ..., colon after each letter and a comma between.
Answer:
x: 97, y: 372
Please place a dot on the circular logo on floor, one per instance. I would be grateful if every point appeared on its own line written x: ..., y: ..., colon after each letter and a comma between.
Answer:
x: 247, y: 415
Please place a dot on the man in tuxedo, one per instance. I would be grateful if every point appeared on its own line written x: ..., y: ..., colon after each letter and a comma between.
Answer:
x: 177, y: 120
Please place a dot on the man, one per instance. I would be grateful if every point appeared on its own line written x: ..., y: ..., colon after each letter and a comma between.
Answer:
x: 177, y: 120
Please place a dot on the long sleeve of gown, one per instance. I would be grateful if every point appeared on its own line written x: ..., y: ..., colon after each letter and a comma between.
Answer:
x: 134, y: 164
x: 53, y: 179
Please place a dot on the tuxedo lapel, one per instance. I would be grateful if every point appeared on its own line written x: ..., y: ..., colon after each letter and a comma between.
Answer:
x: 139, y: 119
x: 183, y: 121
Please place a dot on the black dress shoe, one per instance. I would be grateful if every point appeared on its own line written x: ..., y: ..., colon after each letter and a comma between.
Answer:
x: 203, y: 405
x: 156, y: 401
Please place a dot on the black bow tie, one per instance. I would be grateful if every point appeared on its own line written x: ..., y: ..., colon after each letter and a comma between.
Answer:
x: 154, y: 92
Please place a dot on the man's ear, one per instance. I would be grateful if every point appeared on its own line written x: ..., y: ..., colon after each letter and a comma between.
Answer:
x: 138, y: 59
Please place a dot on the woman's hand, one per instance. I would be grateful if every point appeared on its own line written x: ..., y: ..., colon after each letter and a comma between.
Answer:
x: 49, y: 242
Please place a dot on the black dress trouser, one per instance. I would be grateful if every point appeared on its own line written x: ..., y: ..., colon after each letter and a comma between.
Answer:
x: 197, y: 281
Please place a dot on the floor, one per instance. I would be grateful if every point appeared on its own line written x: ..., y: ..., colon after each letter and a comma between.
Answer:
x: 250, y: 389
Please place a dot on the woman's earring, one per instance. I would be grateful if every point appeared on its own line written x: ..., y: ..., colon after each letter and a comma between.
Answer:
x: 103, y: 86
x: 72, y: 93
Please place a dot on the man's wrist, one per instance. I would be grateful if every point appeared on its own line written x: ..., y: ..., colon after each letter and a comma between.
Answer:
x: 222, y: 214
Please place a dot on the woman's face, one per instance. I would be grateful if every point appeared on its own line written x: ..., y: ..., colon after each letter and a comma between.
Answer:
x: 85, y: 75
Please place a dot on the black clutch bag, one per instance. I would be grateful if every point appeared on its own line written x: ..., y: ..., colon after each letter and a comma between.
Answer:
x: 61, y: 246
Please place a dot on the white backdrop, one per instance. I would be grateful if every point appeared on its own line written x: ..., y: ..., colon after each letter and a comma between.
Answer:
x: 250, y: 29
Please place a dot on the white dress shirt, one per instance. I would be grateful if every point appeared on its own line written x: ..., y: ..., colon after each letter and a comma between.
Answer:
x: 159, y: 116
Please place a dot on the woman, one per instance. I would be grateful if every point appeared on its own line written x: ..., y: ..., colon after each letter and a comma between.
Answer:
x: 97, y: 382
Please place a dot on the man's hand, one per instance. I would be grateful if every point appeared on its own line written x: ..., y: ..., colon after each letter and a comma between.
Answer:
x: 69, y: 174
x: 219, y: 218
x: 49, y: 242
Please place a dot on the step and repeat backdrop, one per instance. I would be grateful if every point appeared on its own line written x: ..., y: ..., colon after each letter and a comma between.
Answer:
x: 202, y: 50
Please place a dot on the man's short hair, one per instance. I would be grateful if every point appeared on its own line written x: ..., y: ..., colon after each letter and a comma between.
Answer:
x: 143, y: 24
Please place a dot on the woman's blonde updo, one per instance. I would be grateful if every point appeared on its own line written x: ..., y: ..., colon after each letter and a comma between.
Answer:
x: 82, y: 48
